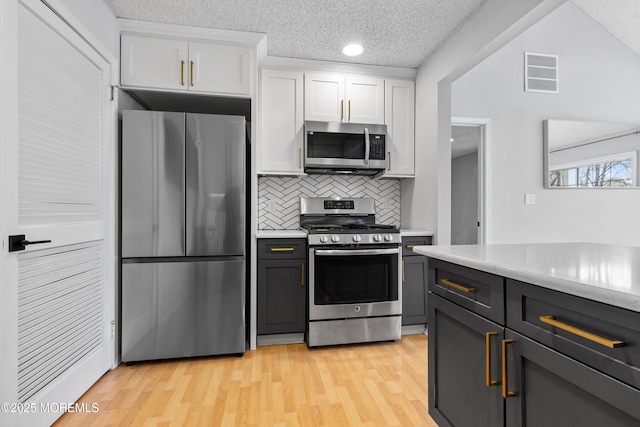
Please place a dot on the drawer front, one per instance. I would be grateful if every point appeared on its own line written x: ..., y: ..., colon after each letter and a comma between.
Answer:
x: 282, y: 248
x: 409, y: 242
x: 480, y: 292
x: 601, y: 336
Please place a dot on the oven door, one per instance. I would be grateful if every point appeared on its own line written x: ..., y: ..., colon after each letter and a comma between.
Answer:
x: 346, y: 283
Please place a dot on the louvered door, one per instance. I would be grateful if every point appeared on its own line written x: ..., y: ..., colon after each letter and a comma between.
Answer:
x: 57, y: 297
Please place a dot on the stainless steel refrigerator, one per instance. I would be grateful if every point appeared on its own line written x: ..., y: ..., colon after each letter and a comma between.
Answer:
x: 183, y: 235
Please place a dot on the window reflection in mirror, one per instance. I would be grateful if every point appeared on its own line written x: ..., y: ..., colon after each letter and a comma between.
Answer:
x: 581, y: 154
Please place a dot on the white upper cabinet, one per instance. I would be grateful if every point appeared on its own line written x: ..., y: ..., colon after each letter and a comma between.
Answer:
x: 154, y: 62
x: 331, y: 97
x: 172, y: 64
x: 281, y: 123
x: 400, y: 121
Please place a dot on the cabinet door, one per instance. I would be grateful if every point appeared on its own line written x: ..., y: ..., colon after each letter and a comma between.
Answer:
x: 400, y: 120
x: 281, y: 122
x: 364, y: 100
x: 458, y: 369
x: 281, y: 296
x: 220, y: 68
x: 154, y: 62
x: 554, y: 390
x: 324, y: 97
x: 414, y: 290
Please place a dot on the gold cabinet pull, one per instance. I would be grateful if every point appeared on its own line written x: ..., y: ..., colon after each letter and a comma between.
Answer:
x: 191, y: 73
x: 388, y: 160
x: 182, y: 73
x: 505, y: 392
x: 549, y: 320
x: 487, y: 345
x: 349, y: 107
x: 411, y: 246
x: 299, y: 158
x: 341, y: 109
x: 282, y: 249
x: 403, y: 270
x: 302, y: 278
x: 456, y: 286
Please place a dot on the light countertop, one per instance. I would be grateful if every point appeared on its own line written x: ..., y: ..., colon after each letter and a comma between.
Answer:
x: 604, y: 273
x: 281, y: 234
x: 414, y: 232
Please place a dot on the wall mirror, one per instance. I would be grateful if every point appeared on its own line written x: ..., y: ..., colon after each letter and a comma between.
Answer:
x: 587, y: 154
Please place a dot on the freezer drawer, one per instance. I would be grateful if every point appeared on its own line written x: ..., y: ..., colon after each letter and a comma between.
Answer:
x: 182, y: 309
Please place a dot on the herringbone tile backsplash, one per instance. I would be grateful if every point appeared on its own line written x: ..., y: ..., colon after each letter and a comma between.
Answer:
x: 279, y: 197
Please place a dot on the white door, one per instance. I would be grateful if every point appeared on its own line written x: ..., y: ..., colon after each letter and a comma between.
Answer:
x: 281, y: 122
x: 399, y: 117
x: 365, y: 100
x: 324, y: 97
x: 56, y: 299
x: 155, y: 62
x: 220, y: 68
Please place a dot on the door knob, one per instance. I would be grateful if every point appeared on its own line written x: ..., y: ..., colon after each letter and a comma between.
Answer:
x: 19, y: 242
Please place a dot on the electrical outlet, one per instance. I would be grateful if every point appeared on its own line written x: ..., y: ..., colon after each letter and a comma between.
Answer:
x: 529, y: 199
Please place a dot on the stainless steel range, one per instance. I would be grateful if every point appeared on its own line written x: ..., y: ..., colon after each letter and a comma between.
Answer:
x: 354, y: 272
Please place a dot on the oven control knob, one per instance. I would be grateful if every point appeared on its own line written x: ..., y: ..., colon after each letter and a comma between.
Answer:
x: 335, y: 238
x: 387, y: 237
x: 323, y: 239
x: 377, y: 238
x: 357, y: 238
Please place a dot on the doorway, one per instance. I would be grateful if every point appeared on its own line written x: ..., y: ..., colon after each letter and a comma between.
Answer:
x: 468, y: 180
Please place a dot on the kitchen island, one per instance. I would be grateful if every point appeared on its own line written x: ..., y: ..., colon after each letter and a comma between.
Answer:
x: 534, y: 334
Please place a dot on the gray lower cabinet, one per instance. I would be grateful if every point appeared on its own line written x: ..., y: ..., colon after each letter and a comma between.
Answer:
x: 282, y: 289
x: 535, y: 366
x: 550, y: 389
x: 460, y: 343
x: 414, y: 281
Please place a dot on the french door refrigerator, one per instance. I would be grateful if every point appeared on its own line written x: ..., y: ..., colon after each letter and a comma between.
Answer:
x: 183, y: 235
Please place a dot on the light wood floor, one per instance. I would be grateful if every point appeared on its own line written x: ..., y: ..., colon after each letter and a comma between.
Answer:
x: 381, y: 384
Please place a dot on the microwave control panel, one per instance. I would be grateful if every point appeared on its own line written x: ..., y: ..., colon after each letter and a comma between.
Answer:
x: 377, y: 147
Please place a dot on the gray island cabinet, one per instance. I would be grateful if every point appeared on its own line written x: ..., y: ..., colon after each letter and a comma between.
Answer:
x: 534, y: 335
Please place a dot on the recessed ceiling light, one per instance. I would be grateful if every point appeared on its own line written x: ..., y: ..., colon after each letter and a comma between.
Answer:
x: 353, y: 49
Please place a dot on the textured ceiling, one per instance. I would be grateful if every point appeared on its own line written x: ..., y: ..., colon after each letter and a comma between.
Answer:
x: 396, y: 33
x: 619, y: 17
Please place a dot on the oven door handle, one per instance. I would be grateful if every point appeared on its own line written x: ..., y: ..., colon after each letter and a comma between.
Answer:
x: 341, y: 252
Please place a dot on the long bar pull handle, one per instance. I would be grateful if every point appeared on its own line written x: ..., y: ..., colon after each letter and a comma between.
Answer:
x: 299, y: 158
x: 487, y: 344
x: 302, y: 278
x: 549, y: 320
x: 191, y: 73
x: 282, y: 249
x: 456, y: 286
x: 505, y: 392
x: 403, y: 270
x: 367, y: 146
x: 388, y: 160
x: 349, y: 104
x: 182, y: 72
x: 341, y: 109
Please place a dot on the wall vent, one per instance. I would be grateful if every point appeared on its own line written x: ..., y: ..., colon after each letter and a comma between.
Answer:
x: 540, y: 73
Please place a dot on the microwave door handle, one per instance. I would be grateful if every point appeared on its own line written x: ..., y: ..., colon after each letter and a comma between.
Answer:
x: 367, y: 146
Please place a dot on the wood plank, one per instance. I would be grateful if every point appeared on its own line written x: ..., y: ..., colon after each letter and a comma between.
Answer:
x: 289, y: 385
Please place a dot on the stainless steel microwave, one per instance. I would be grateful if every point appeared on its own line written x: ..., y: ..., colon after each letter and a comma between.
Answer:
x: 344, y: 148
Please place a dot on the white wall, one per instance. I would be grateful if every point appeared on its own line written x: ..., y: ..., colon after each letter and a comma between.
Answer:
x: 599, y: 80
x: 426, y: 201
x: 96, y: 17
